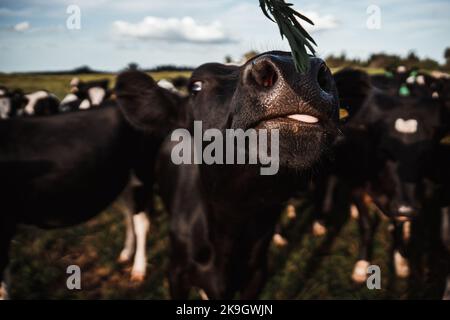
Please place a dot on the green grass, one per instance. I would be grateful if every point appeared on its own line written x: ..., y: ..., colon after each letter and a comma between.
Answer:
x: 308, y: 268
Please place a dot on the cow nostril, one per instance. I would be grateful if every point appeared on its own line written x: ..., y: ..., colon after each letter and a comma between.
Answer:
x: 264, y: 74
x: 323, y: 78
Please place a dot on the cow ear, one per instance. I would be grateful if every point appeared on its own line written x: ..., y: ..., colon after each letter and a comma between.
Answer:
x: 144, y: 104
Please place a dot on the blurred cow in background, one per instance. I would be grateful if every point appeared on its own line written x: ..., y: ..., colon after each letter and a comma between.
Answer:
x: 15, y: 103
x: 41, y: 103
x: 63, y: 170
x: 85, y: 95
x: 386, y: 158
x: 11, y: 103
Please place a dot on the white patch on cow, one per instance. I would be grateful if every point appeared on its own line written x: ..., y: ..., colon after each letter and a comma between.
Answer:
x: 4, y: 291
x: 405, y: 209
x: 420, y: 80
x: 406, y: 126
x: 435, y: 95
x: 401, y: 265
x: 406, y: 230
x: 291, y: 212
x: 141, y: 228
x: 359, y: 274
x: 96, y: 95
x: 32, y: 99
x: 411, y: 80
x: 354, y: 213
x: 74, y: 82
x: 85, y: 104
x: 5, y: 108
x: 279, y: 240
x: 165, y: 84
x: 203, y: 294
x: 2, y: 92
x: 318, y: 229
x: 69, y: 98
x: 401, y: 69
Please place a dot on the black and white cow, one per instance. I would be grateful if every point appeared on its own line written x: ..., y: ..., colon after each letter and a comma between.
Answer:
x: 222, y: 217
x: 41, y: 103
x: 15, y: 103
x: 11, y: 103
x: 85, y: 95
x: 62, y: 170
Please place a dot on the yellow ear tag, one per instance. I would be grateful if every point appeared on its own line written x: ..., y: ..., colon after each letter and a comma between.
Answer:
x: 343, y: 113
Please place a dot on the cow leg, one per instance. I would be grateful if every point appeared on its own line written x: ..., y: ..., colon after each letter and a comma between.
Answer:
x: 256, y: 283
x: 401, y: 264
x: 138, y: 199
x: 130, y: 237
x: 179, y: 286
x: 324, y: 205
x: 178, y: 274
x: 367, y: 229
x: 127, y: 206
x: 256, y: 269
x: 278, y: 239
x: 141, y: 224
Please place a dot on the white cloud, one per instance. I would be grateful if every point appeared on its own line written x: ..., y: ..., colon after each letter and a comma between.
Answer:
x: 173, y: 29
x: 22, y: 26
x: 325, y: 22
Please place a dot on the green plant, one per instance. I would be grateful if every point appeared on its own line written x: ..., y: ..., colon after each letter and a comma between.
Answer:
x: 285, y: 17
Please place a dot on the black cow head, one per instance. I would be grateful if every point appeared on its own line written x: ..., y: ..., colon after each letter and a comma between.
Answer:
x: 408, y: 134
x: 265, y: 93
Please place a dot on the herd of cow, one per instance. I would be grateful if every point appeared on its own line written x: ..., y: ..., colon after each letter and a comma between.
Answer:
x: 379, y: 138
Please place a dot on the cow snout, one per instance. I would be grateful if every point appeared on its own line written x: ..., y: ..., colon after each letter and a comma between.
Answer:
x: 320, y: 76
x: 274, y: 89
x: 266, y: 71
x: 301, y: 107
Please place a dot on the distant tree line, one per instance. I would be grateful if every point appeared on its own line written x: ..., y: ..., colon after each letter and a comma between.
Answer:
x: 376, y: 60
x: 170, y: 67
x: 384, y: 60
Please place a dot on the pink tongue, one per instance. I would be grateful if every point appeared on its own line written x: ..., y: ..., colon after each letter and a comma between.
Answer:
x: 304, y: 118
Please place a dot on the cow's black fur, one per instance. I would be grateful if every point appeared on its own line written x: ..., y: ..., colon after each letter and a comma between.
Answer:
x: 223, y: 217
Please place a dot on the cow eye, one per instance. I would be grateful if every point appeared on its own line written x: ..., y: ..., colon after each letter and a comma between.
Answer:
x: 196, y: 87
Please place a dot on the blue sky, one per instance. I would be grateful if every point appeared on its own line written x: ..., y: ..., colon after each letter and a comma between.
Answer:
x: 33, y: 33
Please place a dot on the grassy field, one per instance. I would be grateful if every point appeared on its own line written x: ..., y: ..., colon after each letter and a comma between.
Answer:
x: 308, y: 268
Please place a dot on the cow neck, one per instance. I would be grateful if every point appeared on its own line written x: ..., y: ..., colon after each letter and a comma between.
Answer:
x: 241, y: 188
